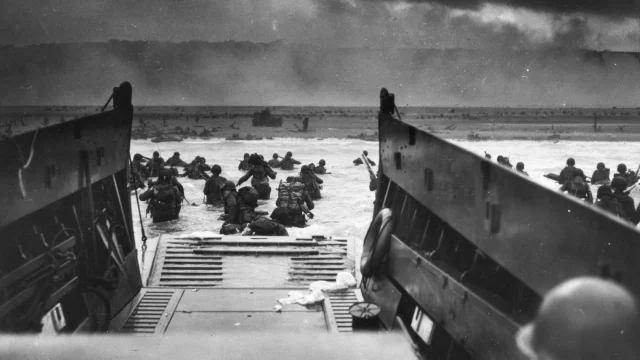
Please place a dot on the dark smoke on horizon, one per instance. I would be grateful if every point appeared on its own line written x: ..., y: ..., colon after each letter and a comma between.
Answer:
x: 233, y: 73
x: 244, y: 52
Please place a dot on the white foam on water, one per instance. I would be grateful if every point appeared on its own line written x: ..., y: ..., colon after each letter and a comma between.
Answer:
x: 347, y: 204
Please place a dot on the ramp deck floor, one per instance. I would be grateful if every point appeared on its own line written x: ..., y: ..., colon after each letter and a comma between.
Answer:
x: 233, y: 283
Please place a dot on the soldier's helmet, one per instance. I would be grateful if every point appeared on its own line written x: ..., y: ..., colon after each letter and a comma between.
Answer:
x: 246, y: 155
x: 583, y: 318
x: 500, y: 159
x: 622, y: 168
x: 176, y: 154
x: 275, y: 155
x: 156, y: 154
x: 600, y: 166
x: 216, y: 169
x: 164, y: 175
x: 228, y: 185
x: 520, y: 166
x: 619, y: 183
x: 366, y: 153
x: 137, y: 157
x: 571, y: 162
x: 304, y: 169
x: 321, y: 162
x: 289, y: 153
x: 604, y: 190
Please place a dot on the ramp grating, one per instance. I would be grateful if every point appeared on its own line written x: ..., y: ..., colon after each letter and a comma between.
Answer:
x: 241, y: 261
x: 153, y: 312
x: 336, y: 306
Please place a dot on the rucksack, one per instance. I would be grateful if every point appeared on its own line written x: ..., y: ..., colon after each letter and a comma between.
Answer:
x: 164, y: 202
x: 166, y: 193
x: 249, y: 196
x: 230, y: 229
x: 290, y: 197
x: 264, y: 226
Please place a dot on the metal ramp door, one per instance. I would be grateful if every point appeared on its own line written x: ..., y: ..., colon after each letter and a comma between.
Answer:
x: 247, y: 261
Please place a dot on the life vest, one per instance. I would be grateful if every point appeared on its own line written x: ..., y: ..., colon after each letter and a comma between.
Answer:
x: 164, y: 201
x: 290, y: 197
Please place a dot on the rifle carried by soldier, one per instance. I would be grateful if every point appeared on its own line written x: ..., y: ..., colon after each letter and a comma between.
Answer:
x: 366, y: 162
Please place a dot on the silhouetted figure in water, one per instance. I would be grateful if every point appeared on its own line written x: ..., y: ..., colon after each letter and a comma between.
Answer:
x: 244, y: 164
x: 570, y: 171
x: 305, y: 124
x: 358, y: 161
x: 601, y: 175
x: 274, y: 163
x: 504, y: 161
x: 520, y: 169
x: 629, y: 176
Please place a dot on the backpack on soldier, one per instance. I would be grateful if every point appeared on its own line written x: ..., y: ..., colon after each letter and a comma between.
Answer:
x: 290, y: 197
x: 249, y: 196
x: 264, y: 226
x: 164, y: 202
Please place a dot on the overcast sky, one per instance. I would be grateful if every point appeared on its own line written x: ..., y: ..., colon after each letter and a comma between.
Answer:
x: 520, y: 24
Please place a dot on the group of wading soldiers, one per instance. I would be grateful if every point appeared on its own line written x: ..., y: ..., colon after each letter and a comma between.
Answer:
x: 613, y: 194
x: 294, y: 202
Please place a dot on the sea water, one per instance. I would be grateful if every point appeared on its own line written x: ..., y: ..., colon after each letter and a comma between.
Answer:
x: 345, y: 209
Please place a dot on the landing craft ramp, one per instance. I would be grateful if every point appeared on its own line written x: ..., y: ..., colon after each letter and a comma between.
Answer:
x: 474, y: 246
x: 232, y: 283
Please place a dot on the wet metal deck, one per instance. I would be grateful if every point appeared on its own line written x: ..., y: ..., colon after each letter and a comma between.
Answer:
x: 232, y: 283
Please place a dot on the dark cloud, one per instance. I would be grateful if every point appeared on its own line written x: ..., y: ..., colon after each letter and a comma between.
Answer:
x: 346, y: 23
x: 518, y: 61
x: 618, y: 8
